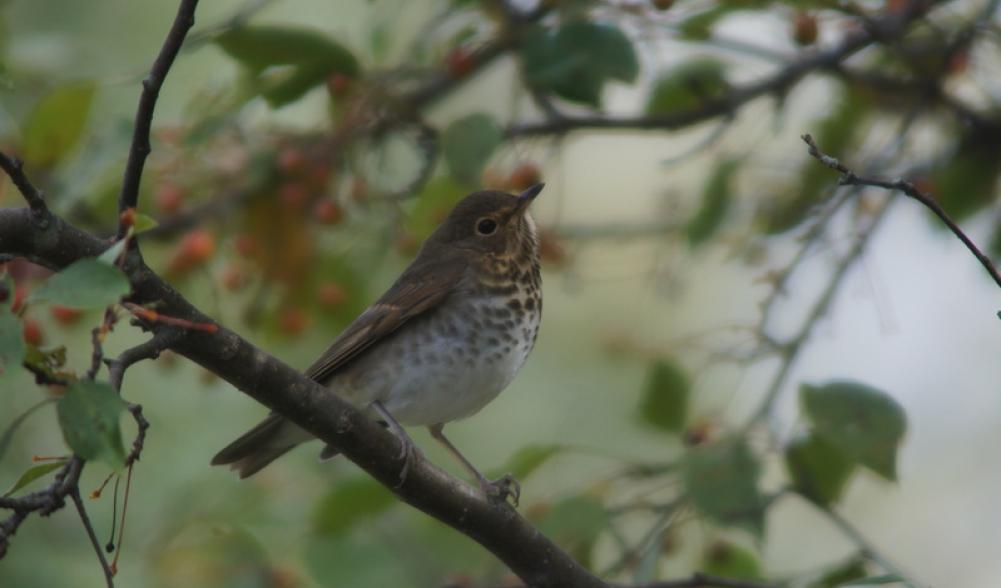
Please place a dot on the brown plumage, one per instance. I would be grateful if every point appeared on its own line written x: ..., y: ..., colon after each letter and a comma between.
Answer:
x: 446, y: 337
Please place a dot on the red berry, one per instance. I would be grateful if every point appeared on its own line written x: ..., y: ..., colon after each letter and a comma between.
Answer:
x: 459, y: 62
x: 291, y: 160
x: 20, y: 293
x: 246, y: 245
x: 551, y: 250
x: 233, y: 278
x: 128, y: 217
x: 524, y: 176
x: 328, y: 212
x: 65, y: 315
x: 32, y: 332
x: 407, y: 243
x: 359, y: 189
x: 194, y: 249
x: 959, y: 61
x: 805, y: 28
x: 493, y: 180
x: 339, y: 85
x: 169, y: 198
x: 199, y: 245
x: 331, y: 294
x: 293, y: 195
x: 292, y: 321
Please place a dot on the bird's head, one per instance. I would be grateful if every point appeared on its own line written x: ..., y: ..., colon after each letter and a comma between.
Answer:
x: 494, y: 223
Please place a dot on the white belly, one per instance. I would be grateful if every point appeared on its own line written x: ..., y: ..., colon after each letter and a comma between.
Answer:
x: 444, y: 366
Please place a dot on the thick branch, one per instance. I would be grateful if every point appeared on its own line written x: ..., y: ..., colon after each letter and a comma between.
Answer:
x: 496, y: 526
x: 848, y: 178
x: 129, y: 195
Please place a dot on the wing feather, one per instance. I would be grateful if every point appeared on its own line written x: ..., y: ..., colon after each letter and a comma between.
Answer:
x: 420, y: 288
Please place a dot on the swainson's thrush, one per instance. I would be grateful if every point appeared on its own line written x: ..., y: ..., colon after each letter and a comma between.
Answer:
x: 441, y: 343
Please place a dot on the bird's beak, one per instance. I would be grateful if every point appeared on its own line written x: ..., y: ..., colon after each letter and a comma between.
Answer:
x: 526, y: 197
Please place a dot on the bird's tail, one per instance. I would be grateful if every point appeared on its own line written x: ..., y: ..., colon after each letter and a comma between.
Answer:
x: 266, y: 442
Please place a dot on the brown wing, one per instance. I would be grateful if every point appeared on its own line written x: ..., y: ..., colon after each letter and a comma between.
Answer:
x: 420, y: 288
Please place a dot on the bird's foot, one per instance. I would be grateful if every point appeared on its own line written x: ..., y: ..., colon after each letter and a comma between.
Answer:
x: 408, y: 453
x: 502, y: 488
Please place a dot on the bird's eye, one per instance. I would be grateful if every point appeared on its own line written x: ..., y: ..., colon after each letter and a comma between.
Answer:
x: 486, y: 226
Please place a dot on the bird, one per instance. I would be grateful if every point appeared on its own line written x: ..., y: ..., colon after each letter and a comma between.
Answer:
x: 442, y: 342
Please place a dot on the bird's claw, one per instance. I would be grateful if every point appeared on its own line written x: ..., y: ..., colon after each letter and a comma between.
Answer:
x: 502, y: 488
x: 407, y: 454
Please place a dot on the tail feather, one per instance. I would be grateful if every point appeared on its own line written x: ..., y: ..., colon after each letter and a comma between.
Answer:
x: 266, y: 442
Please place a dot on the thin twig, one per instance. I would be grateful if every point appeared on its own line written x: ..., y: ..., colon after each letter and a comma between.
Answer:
x: 776, y: 84
x: 109, y: 575
x: 867, y: 548
x: 44, y: 502
x: 849, y: 178
x: 33, y: 196
x: 129, y: 195
x: 794, y: 346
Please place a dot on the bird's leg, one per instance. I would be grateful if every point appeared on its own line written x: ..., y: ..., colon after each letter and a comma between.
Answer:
x: 407, y: 448
x: 499, y: 489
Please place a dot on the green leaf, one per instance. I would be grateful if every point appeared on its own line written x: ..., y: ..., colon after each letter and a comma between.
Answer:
x: 468, y: 144
x: 111, y: 254
x: 843, y: 574
x: 665, y: 400
x: 287, y: 86
x: 88, y: 415
x: 12, y: 348
x: 306, y: 59
x: 261, y: 47
x: 576, y: 60
x: 33, y: 473
x: 575, y: 523
x: 57, y: 123
x: 87, y: 283
x: 8, y: 434
x: 143, y: 223
x: 528, y: 459
x: 721, y: 480
x: 863, y: 423
x: 818, y: 470
x: 730, y: 561
x: 349, y: 503
x: 967, y: 182
x: 716, y: 198
x: 361, y: 560
x: 698, y: 27
x: 688, y: 86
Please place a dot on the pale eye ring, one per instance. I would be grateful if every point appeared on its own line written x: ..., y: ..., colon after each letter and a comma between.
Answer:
x: 486, y: 226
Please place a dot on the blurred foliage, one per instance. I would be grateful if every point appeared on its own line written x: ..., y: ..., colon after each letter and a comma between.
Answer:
x: 295, y: 182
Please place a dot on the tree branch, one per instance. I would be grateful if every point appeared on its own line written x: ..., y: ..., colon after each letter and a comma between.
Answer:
x: 888, y: 27
x: 44, y: 502
x: 848, y: 178
x: 496, y: 526
x: 15, y: 170
x: 109, y: 575
x: 129, y: 195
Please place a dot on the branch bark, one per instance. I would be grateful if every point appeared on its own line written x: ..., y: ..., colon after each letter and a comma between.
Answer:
x: 496, y: 526
x: 129, y: 195
x: 888, y: 27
